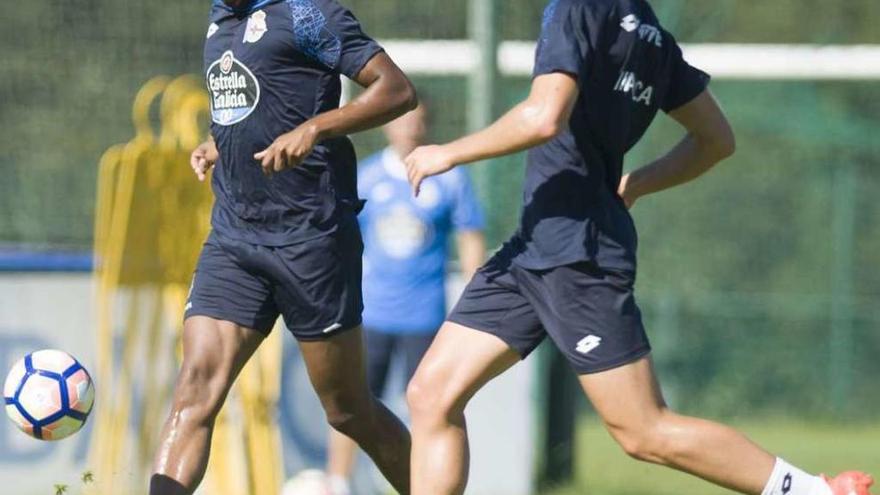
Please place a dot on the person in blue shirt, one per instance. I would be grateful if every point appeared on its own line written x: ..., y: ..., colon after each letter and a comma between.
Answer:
x: 603, y: 70
x: 285, y: 238
x: 406, y: 248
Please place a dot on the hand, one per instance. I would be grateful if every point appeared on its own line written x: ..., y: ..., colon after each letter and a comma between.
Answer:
x: 427, y: 161
x: 626, y: 193
x: 289, y: 150
x: 203, y: 158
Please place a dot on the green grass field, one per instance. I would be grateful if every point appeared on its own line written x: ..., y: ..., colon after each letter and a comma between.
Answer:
x: 604, y: 470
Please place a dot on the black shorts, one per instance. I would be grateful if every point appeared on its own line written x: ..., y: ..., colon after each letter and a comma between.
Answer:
x: 315, y: 285
x: 384, y: 348
x: 590, y: 313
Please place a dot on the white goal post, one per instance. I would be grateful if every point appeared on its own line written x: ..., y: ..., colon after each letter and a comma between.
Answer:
x: 723, y: 61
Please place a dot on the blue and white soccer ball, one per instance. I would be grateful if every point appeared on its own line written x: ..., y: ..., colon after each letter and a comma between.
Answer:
x: 48, y: 395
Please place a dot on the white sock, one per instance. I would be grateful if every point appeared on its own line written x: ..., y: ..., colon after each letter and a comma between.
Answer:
x: 789, y: 480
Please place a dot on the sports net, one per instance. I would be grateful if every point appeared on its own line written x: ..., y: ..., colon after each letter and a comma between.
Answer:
x: 758, y: 282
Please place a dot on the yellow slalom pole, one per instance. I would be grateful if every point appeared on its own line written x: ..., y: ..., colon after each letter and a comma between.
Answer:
x: 150, y: 220
x: 107, y: 440
x: 260, y: 387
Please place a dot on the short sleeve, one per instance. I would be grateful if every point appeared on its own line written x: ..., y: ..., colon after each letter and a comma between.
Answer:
x: 686, y: 82
x: 564, y: 44
x: 330, y: 34
x: 467, y: 214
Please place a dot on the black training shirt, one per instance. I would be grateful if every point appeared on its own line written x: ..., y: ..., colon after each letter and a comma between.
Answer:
x: 270, y: 66
x: 627, y: 68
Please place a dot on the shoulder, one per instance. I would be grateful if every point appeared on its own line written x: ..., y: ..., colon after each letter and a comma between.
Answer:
x: 219, y: 11
x: 317, y: 10
x: 565, y: 7
x: 309, y: 23
x: 587, y: 14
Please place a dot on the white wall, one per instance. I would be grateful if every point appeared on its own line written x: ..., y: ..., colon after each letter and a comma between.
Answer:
x: 38, y: 312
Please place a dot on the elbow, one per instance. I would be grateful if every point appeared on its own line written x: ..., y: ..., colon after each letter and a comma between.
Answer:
x: 407, y: 98
x: 396, y: 95
x: 546, y: 130
x: 720, y: 144
x: 538, y: 123
x: 725, y: 145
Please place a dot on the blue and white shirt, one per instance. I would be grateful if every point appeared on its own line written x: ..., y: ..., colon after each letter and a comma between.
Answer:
x: 270, y: 66
x: 406, y: 242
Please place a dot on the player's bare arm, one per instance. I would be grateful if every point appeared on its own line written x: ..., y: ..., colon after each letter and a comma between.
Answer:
x: 388, y: 95
x: 203, y: 158
x: 538, y: 119
x: 709, y: 140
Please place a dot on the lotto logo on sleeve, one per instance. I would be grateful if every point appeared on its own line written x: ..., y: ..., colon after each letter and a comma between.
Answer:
x: 647, y: 33
x: 234, y: 90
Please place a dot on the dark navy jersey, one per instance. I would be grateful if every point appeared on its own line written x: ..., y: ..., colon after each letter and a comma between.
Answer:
x: 627, y: 67
x: 270, y: 66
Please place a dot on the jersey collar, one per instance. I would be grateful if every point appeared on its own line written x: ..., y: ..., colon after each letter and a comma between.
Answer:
x: 245, y: 9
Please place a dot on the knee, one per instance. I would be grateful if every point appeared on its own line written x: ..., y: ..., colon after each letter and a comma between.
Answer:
x: 348, y: 415
x: 431, y: 399
x: 657, y: 441
x: 199, y: 392
x: 637, y: 444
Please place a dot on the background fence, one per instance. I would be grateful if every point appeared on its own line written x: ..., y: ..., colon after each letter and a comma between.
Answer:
x: 760, y: 282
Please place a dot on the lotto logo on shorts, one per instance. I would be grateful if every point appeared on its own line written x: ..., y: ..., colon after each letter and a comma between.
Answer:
x: 588, y: 344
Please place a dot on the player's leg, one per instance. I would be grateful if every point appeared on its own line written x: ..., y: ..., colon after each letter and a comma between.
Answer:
x: 491, y: 328
x: 460, y: 362
x: 630, y: 403
x: 318, y: 285
x: 592, y: 317
x: 342, y: 450
x: 214, y: 352
x: 338, y: 374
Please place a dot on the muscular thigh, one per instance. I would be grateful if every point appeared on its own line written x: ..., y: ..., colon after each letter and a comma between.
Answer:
x: 337, y: 369
x: 214, y: 352
x: 628, y: 398
x: 460, y: 361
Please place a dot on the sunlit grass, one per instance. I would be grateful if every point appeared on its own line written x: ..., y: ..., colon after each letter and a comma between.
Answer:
x: 604, y: 470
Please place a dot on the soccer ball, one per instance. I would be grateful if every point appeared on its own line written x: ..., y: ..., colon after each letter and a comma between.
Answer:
x: 48, y: 395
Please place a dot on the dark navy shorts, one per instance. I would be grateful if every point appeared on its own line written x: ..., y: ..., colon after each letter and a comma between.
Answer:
x: 385, y: 348
x: 315, y: 285
x: 590, y: 313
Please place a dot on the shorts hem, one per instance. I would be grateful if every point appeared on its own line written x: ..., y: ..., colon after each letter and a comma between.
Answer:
x: 617, y: 362
x: 491, y: 331
x: 220, y: 316
x: 318, y: 335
